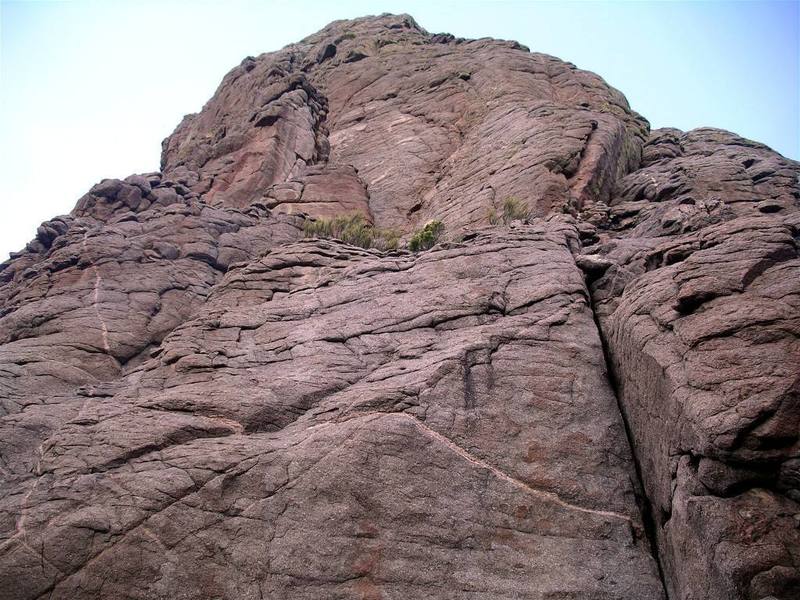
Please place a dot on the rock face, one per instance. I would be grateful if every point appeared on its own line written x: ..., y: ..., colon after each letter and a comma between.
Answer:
x: 434, y: 127
x: 701, y: 312
x: 600, y: 399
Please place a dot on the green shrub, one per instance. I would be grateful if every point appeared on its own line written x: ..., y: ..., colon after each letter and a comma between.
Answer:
x: 513, y: 210
x: 426, y: 238
x: 352, y: 229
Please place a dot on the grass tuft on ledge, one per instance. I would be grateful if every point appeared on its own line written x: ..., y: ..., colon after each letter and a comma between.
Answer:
x: 426, y: 238
x: 513, y: 210
x: 352, y: 229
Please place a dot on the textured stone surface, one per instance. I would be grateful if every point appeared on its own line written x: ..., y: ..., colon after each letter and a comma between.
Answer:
x: 197, y: 403
x: 436, y: 127
x: 95, y: 293
x: 701, y: 311
x: 318, y: 447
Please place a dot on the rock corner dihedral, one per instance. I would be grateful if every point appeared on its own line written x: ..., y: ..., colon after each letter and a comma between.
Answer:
x: 589, y: 387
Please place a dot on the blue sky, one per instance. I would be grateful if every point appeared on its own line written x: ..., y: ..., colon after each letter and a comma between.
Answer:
x: 88, y: 89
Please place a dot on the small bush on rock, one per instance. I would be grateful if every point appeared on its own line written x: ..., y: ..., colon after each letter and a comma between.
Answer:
x: 352, y: 229
x: 426, y: 238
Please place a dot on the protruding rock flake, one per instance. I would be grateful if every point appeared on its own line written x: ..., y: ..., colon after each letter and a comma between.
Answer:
x: 588, y: 387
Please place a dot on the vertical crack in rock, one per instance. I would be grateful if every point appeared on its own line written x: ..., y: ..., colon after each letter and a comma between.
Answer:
x: 96, y: 299
x: 695, y: 289
x: 642, y: 500
x: 96, y: 303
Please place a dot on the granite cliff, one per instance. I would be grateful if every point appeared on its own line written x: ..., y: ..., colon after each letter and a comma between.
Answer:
x: 595, y: 397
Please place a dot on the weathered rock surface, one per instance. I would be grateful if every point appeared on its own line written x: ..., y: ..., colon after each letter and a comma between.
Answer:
x: 318, y: 447
x: 701, y: 311
x: 436, y: 127
x: 94, y: 293
x: 197, y: 403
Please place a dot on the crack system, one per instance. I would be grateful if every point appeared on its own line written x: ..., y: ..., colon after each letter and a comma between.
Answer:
x: 645, y: 506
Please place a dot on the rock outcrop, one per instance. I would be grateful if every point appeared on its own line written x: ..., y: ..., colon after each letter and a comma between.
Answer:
x: 700, y: 308
x: 597, y: 398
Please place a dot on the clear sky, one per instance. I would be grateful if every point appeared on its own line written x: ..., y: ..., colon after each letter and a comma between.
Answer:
x: 89, y: 88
